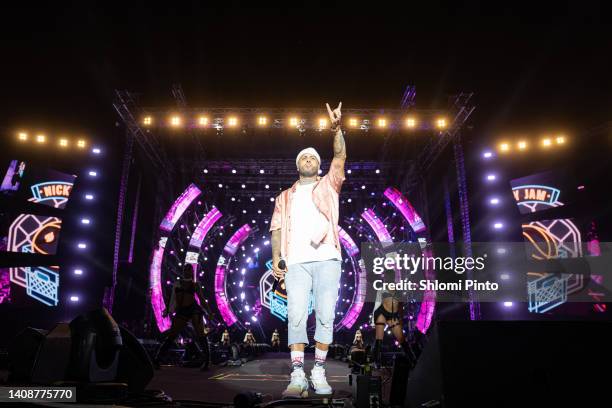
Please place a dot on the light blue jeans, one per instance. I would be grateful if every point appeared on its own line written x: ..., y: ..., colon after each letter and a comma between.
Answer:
x: 323, y: 278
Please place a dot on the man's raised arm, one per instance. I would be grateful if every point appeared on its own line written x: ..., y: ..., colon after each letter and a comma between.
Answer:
x: 337, y: 163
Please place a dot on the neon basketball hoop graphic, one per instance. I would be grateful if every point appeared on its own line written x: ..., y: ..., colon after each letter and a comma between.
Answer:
x: 548, y: 239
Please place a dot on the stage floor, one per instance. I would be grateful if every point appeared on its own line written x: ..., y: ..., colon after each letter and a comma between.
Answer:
x: 268, y: 374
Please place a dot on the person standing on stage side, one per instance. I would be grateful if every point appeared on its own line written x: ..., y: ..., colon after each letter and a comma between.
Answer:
x: 276, y: 340
x: 225, y: 338
x: 185, y: 308
x: 304, y: 231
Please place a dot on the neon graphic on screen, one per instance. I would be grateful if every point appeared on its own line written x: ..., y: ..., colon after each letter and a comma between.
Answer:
x: 549, y: 239
x: 276, y: 300
x: 52, y: 193
x: 43, y: 284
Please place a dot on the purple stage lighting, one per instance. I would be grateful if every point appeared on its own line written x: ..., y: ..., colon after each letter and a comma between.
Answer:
x: 179, y: 207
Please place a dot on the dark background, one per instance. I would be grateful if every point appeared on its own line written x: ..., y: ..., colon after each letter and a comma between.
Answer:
x: 542, y: 65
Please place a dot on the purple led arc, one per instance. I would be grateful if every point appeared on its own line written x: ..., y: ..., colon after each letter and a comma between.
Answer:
x: 220, y: 273
x: 360, y: 286
x: 407, y: 210
x: 203, y: 227
x: 174, y: 214
x: 178, y: 208
x: 379, y: 228
x: 428, y: 304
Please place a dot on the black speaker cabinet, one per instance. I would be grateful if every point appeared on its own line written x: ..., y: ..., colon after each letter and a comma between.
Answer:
x: 513, y: 363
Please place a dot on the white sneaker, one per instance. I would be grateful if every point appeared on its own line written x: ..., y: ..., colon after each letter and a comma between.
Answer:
x: 319, y: 382
x: 298, y: 387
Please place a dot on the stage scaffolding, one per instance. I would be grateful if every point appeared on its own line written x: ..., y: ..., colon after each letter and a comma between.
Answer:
x: 155, y: 158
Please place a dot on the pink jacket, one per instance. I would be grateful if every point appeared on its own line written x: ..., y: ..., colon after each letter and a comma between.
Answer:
x: 325, y: 195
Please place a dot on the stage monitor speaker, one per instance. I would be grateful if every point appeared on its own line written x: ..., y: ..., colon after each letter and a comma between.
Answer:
x: 135, y: 367
x: 512, y: 364
x: 53, y: 356
x: 96, y: 342
x: 22, y: 353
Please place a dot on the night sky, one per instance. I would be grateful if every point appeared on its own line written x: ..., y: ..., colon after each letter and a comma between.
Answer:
x: 534, y: 70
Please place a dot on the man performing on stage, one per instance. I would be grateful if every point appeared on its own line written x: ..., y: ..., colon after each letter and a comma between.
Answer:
x: 304, y: 231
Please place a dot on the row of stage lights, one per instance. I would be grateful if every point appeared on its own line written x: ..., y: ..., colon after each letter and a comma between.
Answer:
x: 523, y: 145
x: 177, y: 121
x: 86, y: 222
x: 63, y: 142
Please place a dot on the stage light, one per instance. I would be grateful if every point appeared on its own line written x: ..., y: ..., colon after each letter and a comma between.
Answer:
x: 78, y: 271
x: 261, y: 171
x: 349, y: 200
x: 63, y: 142
x: 363, y: 187
x: 233, y: 171
x: 504, y: 276
x: 522, y: 145
x: 253, y: 318
x: 243, y: 186
x: 81, y: 144
x: 203, y: 121
x: 82, y: 245
x: 267, y: 186
x: 508, y: 304
x: 293, y: 121
x: 353, y: 122
x: 23, y: 136
x: 382, y: 122
x: 85, y: 221
x: 377, y: 171
x: 494, y: 201
x: 220, y: 185
x: 89, y: 196
x: 74, y: 298
x: 147, y: 121
x: 504, y: 147
x: 233, y: 198
x: 441, y: 123
x: 252, y: 198
x: 262, y: 121
x: 491, y: 177
x: 349, y: 171
x: 244, y: 211
x: 96, y: 150
x: 411, y: 123
x: 271, y: 198
x: 175, y: 121
x: 546, y: 142
x: 322, y: 123
x: 560, y: 139
x: 487, y: 155
x: 205, y: 171
x: 93, y: 173
x: 501, y: 251
x: 41, y: 138
x: 232, y: 121
x: 498, y: 225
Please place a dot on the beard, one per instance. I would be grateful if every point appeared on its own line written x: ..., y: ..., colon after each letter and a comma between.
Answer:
x: 309, y: 171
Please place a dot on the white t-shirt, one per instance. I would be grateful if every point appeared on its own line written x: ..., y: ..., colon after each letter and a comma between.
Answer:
x: 306, y: 220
